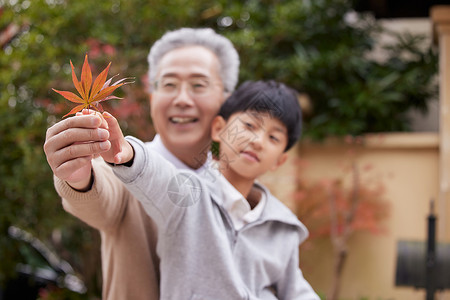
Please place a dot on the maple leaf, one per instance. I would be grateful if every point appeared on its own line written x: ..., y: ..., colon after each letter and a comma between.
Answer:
x: 91, y: 94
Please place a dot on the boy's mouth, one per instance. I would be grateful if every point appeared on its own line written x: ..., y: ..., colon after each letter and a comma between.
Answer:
x: 250, y: 155
x: 182, y: 120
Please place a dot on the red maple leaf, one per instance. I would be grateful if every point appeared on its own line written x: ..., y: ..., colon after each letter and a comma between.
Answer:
x: 91, y: 94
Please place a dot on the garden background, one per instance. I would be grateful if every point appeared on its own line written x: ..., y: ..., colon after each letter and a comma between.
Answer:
x: 323, y: 48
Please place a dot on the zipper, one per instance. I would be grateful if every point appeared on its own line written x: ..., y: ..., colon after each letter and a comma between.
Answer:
x: 229, y: 223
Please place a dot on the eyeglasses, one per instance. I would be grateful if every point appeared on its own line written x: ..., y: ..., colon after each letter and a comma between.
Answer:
x: 196, y: 87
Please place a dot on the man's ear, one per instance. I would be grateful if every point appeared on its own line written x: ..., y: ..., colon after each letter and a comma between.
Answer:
x: 150, y: 104
x: 226, y: 95
x: 217, y: 125
x: 281, y: 160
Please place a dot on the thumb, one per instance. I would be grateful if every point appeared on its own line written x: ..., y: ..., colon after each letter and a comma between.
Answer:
x: 121, y: 149
x: 113, y: 126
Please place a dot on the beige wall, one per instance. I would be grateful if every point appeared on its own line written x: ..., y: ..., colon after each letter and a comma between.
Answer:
x: 408, y: 167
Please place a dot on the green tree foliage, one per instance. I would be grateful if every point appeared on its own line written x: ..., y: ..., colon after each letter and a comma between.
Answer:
x: 319, y: 47
x: 323, y: 48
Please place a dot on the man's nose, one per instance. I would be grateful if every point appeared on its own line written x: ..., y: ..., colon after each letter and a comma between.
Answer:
x: 183, y: 97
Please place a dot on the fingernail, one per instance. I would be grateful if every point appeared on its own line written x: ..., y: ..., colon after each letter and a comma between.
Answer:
x: 96, y: 121
x: 104, y: 145
x: 103, y: 134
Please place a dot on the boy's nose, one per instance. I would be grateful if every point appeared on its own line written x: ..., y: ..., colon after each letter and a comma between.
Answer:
x: 257, y: 140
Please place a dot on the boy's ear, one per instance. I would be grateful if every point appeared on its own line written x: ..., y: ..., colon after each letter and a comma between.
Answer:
x: 281, y: 160
x: 217, y: 125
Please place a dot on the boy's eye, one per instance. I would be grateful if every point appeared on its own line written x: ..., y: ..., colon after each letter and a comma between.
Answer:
x: 248, y: 125
x: 274, y: 138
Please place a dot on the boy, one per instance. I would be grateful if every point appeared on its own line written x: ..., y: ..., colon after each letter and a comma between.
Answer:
x: 225, y: 236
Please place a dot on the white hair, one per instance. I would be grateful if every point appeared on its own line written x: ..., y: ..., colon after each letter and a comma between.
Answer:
x: 205, y: 37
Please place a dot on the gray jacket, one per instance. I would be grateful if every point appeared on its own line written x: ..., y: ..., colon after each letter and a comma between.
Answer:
x: 202, y: 255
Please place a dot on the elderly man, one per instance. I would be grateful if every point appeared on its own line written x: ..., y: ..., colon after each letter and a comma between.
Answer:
x: 191, y: 72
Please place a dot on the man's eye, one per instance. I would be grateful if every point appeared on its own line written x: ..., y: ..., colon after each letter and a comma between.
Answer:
x: 199, y: 86
x: 169, y: 84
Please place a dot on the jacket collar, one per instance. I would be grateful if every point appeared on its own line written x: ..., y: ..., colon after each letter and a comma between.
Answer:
x: 274, y: 210
x: 158, y: 146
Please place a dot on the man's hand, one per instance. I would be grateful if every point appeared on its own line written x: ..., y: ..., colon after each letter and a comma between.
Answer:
x: 72, y: 143
x: 121, y: 151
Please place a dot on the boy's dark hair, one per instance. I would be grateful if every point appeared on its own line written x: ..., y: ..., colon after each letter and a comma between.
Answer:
x: 274, y: 98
